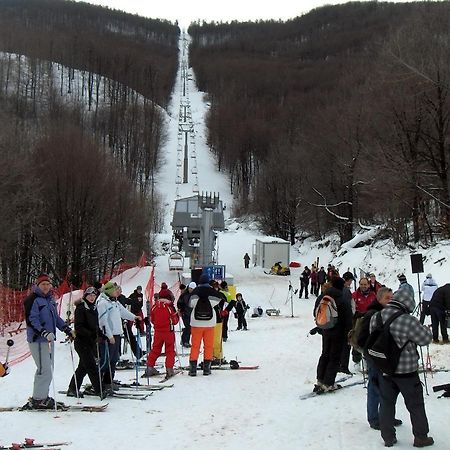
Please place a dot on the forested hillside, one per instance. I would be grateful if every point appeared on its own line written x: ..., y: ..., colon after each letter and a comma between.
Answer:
x: 81, y: 95
x: 334, y: 120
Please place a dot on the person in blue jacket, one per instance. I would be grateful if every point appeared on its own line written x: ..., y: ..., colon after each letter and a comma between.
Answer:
x: 42, y: 320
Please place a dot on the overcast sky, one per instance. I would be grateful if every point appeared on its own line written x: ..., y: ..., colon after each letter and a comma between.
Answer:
x: 186, y: 11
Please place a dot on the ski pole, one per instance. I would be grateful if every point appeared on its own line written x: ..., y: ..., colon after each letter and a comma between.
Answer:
x: 51, y: 350
x: 132, y: 354
x: 108, y: 360
x: 74, y: 372
x: 424, y: 371
x: 100, y: 380
x: 363, y: 365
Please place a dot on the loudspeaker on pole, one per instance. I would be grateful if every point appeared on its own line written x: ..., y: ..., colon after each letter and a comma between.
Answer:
x: 416, y: 263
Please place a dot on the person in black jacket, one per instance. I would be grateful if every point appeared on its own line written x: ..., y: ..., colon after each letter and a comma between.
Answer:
x: 87, y: 332
x: 439, y: 304
x: 333, y: 339
x: 185, y: 312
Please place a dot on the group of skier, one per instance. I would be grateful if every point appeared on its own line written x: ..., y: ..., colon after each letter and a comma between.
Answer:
x: 361, y: 319
x: 103, y: 315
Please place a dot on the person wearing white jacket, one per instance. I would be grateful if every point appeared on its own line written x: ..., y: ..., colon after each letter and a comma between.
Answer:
x: 110, y: 316
x: 428, y: 288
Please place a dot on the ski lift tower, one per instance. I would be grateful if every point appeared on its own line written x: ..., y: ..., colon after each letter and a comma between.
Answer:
x: 208, y: 203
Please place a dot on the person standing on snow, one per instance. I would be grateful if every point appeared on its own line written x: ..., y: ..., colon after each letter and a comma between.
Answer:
x: 203, y: 302
x: 87, y: 332
x: 164, y: 317
x: 347, y: 298
x: 384, y: 296
x: 408, y: 333
x: 304, y: 282
x: 374, y: 285
x: 185, y: 312
x: 314, y: 282
x: 321, y: 278
x: 110, y: 315
x: 428, y: 288
x: 42, y: 320
x: 246, y: 260
x: 439, y: 305
x: 241, y: 309
x: 333, y: 339
x: 405, y: 285
x: 229, y: 305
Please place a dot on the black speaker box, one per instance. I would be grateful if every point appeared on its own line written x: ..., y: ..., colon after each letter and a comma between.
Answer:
x: 416, y: 263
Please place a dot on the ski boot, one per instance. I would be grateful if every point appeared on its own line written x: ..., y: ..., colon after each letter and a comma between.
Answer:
x: 150, y: 372
x: 192, y: 368
x: 169, y: 373
x: 73, y: 393
x: 207, y: 367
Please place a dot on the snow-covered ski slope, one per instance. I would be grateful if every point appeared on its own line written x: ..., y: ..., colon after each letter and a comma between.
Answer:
x: 257, y: 409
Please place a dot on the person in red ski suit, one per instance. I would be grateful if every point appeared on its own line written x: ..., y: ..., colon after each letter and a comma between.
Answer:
x: 164, y: 317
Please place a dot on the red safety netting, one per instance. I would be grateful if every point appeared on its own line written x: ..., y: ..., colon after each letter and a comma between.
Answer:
x: 12, y: 323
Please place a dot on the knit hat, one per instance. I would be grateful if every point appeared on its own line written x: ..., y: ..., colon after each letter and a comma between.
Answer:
x: 163, y: 285
x: 109, y: 288
x: 338, y: 283
x: 403, y: 298
x: 182, y: 287
x: 401, y: 278
x: 224, y: 285
x: 139, y: 288
x: 192, y: 285
x: 41, y: 278
x: 204, y: 278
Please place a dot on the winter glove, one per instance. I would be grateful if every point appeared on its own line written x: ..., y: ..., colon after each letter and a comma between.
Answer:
x: 146, y: 321
x: 48, y: 335
x: 224, y: 313
x: 69, y: 333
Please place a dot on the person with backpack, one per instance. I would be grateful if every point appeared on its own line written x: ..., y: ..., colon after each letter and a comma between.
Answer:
x: 42, y: 320
x: 203, y: 300
x: 164, y: 317
x: 359, y: 339
x: 392, y: 348
x: 428, y: 287
x: 333, y: 317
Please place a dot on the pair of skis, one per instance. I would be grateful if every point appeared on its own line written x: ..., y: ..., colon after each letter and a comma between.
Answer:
x: 343, y: 386
x: 61, y: 408
x: 124, y: 395
x: 29, y: 443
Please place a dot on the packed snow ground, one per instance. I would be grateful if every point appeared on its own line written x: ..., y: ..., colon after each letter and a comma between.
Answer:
x: 237, y: 409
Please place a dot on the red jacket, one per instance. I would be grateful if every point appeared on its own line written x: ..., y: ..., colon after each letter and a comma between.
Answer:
x: 362, y: 301
x: 163, y: 315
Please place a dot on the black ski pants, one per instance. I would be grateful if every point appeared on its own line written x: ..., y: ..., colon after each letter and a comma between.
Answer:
x: 328, y: 365
x: 303, y: 287
x: 242, y: 323
x: 225, y: 327
x: 438, y: 319
x: 186, y: 334
x: 411, y: 389
x: 87, y: 365
x: 131, y: 339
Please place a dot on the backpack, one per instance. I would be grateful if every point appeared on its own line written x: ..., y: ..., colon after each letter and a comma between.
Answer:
x: 326, y: 313
x: 203, y: 309
x: 355, y: 333
x: 381, y: 349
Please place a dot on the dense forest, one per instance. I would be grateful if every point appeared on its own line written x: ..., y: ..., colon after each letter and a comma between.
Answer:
x: 335, y: 120
x: 82, y: 93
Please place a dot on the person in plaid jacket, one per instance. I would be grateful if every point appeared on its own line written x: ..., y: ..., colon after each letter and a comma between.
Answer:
x: 407, y: 333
